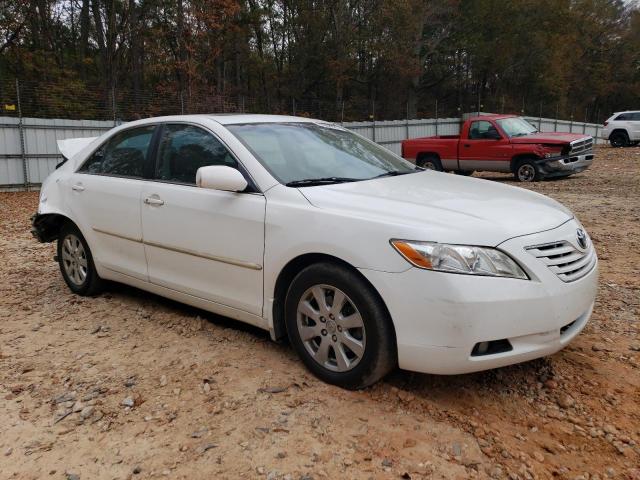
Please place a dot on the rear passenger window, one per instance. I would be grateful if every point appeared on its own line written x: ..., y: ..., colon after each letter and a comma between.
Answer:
x: 635, y: 116
x: 186, y: 148
x: 124, y: 155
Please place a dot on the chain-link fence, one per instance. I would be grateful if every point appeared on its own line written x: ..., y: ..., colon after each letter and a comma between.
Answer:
x: 74, y: 100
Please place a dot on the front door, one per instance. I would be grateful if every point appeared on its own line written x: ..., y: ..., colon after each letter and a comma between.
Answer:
x: 202, y: 242
x: 482, y: 151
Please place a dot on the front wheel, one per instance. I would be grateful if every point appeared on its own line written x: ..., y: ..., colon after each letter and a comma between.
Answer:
x: 76, y: 263
x: 339, y: 326
x: 527, y: 171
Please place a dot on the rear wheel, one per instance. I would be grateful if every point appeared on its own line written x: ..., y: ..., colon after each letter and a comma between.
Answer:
x: 619, y: 139
x: 429, y: 162
x: 527, y: 171
x: 76, y: 262
x: 339, y: 326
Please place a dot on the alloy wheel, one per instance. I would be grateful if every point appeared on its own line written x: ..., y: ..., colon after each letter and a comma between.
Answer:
x: 331, y: 328
x: 74, y: 259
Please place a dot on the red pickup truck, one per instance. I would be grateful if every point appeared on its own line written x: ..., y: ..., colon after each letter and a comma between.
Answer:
x: 503, y: 143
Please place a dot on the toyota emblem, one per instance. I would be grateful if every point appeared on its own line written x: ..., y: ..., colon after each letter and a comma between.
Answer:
x: 581, y: 236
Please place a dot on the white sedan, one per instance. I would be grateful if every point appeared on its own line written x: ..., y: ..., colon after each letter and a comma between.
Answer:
x: 312, y: 232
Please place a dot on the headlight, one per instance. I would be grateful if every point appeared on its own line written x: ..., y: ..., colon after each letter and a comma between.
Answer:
x: 465, y: 259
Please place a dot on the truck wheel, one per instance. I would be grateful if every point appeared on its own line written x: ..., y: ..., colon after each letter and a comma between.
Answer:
x: 619, y: 139
x: 429, y: 162
x: 527, y: 171
x: 466, y: 173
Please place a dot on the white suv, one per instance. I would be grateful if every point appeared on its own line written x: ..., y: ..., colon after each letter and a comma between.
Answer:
x: 622, y: 129
x: 312, y: 232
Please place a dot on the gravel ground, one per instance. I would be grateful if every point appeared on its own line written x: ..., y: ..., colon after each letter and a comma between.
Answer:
x: 129, y: 385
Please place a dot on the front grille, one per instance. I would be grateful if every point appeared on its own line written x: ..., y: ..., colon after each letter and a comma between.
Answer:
x: 565, y: 260
x: 581, y: 146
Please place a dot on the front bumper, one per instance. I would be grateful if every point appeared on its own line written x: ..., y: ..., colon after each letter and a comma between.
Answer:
x: 440, y: 317
x: 565, y: 165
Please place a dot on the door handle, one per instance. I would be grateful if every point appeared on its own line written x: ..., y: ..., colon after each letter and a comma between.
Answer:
x: 78, y: 187
x: 153, y: 201
x: 467, y: 145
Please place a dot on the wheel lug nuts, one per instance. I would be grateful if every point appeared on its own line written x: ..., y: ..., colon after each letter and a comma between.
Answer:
x: 334, y: 338
x: 339, y: 328
x: 322, y: 319
x: 331, y: 316
x: 324, y: 332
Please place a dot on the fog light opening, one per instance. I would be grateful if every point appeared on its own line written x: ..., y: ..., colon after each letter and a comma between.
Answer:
x: 491, y: 348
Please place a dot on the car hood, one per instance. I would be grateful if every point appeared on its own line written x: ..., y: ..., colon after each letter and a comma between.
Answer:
x: 552, y: 138
x: 442, y: 207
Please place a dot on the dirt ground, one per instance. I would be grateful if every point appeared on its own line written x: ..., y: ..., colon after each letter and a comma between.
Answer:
x: 129, y: 385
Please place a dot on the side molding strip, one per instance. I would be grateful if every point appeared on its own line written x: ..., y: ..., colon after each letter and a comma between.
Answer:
x: 230, y: 261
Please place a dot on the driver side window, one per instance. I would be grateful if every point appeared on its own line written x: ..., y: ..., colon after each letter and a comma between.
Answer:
x: 482, y: 130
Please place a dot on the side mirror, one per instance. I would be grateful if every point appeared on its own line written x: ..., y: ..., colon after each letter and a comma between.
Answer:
x: 220, y: 177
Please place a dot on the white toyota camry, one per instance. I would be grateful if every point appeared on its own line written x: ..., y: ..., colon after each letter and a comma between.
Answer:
x: 312, y: 232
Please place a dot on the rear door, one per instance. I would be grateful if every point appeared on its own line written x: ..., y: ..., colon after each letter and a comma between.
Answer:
x: 480, y: 151
x: 105, y: 200
x: 202, y: 242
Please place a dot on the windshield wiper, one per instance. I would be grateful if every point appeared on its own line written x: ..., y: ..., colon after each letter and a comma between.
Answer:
x: 309, y: 182
x: 393, y: 173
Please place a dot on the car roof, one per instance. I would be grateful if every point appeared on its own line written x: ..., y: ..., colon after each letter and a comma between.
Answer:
x: 626, y: 111
x: 492, y: 116
x: 227, y: 119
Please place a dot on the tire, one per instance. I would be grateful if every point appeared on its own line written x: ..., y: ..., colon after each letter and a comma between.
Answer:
x: 527, y: 171
x: 352, y: 346
x: 429, y: 162
x: 466, y: 173
x: 76, y: 262
x: 619, y: 139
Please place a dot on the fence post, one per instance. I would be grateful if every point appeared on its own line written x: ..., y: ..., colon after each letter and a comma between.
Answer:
x: 406, y: 130
x: 555, y: 121
x: 540, y: 119
x: 373, y: 108
x: 23, y: 154
x: 113, y: 104
x: 436, y: 116
x: 181, y: 102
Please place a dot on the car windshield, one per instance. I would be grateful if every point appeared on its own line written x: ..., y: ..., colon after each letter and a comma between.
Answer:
x: 306, y: 154
x: 516, y: 127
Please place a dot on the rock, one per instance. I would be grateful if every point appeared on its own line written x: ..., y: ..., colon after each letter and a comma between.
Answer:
x: 8, y: 452
x: 281, y: 455
x: 538, y: 456
x: 551, y: 384
x: 163, y: 381
x: 130, y: 382
x: 203, y: 448
x: 72, y: 476
x: 128, y: 402
x: 565, y: 401
x: 600, y: 347
x: 635, y: 347
x: 387, y: 463
x: 136, y: 470
x: 608, y: 428
x: 86, y: 412
x: 96, y: 329
x: 272, y: 389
